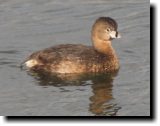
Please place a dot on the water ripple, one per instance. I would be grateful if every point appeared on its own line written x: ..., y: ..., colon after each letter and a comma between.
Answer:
x: 9, y: 52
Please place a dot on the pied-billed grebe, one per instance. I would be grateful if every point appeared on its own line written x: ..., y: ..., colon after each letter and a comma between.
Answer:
x: 73, y: 58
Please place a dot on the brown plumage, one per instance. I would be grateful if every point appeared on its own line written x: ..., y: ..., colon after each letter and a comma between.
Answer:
x: 72, y: 58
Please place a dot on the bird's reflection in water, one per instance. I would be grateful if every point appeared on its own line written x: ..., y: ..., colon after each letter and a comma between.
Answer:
x: 102, y: 102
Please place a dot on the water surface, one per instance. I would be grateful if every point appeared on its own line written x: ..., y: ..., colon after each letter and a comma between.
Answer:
x: 27, y: 26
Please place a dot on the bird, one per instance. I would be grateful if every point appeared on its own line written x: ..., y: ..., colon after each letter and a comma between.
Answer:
x: 79, y: 58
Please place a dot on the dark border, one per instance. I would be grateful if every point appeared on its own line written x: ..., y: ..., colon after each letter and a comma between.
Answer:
x: 152, y: 60
x: 110, y: 118
x: 77, y: 118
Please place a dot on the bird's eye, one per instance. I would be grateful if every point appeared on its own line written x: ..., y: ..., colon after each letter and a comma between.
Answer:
x: 108, y: 29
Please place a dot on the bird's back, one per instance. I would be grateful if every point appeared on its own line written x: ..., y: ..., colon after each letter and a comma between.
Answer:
x: 69, y: 58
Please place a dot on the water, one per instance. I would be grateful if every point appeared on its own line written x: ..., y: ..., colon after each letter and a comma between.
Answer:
x: 27, y: 26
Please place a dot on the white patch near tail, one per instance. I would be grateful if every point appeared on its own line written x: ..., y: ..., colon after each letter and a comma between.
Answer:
x: 31, y: 63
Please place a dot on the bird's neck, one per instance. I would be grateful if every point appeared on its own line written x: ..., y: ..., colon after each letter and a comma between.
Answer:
x: 104, y: 47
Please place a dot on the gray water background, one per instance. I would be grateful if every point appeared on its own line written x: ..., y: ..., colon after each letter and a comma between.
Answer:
x: 30, y: 25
